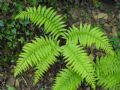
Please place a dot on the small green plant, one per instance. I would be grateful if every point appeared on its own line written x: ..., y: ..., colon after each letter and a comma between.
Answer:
x: 43, y: 52
x: 115, y: 41
x: 108, y: 72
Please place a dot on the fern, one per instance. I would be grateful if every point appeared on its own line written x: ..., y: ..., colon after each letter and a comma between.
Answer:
x: 67, y: 80
x: 41, y: 53
x: 52, y: 22
x: 79, y: 62
x: 108, y: 72
x: 44, y: 65
x: 87, y: 36
x: 32, y: 55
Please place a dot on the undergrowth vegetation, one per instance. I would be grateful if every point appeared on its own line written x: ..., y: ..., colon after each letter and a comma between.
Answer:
x: 108, y: 70
x: 45, y: 50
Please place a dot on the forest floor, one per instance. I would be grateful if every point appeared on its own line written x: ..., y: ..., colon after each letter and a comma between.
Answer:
x: 104, y: 16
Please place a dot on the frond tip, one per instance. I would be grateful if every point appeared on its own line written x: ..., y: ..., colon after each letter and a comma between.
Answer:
x: 87, y: 36
x: 43, y: 66
x: 52, y: 22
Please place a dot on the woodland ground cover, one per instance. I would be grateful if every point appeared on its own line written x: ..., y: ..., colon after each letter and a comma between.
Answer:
x: 14, y: 34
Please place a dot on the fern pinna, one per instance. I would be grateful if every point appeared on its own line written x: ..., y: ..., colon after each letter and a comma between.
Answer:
x: 108, y: 72
x: 41, y: 53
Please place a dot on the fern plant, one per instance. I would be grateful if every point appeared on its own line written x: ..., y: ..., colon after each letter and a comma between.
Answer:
x: 41, y: 52
x: 108, y: 72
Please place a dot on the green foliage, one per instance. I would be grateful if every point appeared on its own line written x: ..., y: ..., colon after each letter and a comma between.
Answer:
x: 115, y: 41
x: 50, y: 49
x: 88, y: 36
x: 1, y: 23
x: 53, y: 23
x: 41, y: 53
x: 12, y: 35
x: 67, y: 80
x: 108, y: 72
x: 79, y: 62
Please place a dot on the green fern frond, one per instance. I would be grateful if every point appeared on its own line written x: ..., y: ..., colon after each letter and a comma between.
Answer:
x: 78, y: 60
x: 108, y: 65
x: 32, y: 56
x: 108, y: 72
x: 52, y: 22
x: 44, y: 66
x: 67, y: 80
x: 110, y: 82
x: 87, y: 36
